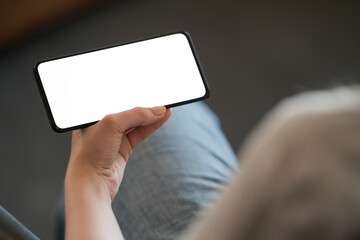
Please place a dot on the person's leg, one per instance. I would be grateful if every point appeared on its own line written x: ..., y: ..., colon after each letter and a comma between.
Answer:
x: 172, y: 175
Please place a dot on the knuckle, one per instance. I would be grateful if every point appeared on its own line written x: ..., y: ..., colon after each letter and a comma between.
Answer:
x: 141, y: 113
x: 109, y: 120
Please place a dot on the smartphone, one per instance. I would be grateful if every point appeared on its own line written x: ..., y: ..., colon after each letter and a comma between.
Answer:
x: 80, y: 89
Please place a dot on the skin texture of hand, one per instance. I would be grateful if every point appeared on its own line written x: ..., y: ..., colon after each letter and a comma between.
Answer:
x: 97, y: 162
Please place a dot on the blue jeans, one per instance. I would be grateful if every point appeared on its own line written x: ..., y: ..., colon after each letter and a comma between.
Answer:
x: 171, y: 176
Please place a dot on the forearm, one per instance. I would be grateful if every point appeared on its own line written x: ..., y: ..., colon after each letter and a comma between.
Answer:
x: 88, y: 210
x: 98, y: 157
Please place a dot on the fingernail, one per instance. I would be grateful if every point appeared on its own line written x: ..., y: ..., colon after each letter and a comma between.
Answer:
x: 158, y: 111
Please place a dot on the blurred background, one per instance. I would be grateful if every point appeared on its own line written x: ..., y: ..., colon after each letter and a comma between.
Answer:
x: 254, y: 53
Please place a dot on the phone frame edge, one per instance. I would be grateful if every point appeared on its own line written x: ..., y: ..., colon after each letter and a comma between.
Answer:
x: 46, y: 102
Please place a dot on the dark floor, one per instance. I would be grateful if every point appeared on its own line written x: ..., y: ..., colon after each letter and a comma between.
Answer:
x: 253, y: 54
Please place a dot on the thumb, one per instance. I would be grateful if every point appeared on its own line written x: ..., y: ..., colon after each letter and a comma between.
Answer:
x: 123, y: 121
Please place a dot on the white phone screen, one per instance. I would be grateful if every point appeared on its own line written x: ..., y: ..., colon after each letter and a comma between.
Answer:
x: 83, y: 88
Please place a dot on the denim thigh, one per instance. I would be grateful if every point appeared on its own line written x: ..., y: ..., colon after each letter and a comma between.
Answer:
x: 173, y: 174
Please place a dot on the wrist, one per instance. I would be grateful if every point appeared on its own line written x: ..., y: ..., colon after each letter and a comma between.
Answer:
x: 82, y: 183
x: 88, y: 210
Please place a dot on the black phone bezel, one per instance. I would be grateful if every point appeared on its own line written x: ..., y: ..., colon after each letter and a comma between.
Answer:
x: 46, y: 102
